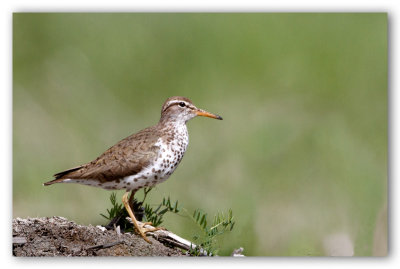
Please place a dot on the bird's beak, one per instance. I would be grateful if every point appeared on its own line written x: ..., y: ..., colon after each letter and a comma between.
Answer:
x: 201, y: 112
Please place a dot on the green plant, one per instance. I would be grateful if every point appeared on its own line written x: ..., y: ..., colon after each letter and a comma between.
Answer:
x: 146, y: 213
x: 115, y: 210
x: 156, y: 216
x: 205, y: 243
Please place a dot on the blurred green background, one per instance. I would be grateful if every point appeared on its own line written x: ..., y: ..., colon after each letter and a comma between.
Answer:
x: 300, y: 157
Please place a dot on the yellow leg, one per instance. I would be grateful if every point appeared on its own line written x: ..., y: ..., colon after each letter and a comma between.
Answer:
x: 149, y: 229
x: 141, y: 230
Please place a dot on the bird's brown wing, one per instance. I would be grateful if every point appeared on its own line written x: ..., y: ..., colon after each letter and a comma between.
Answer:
x: 128, y: 157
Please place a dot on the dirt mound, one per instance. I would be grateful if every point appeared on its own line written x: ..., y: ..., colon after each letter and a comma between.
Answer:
x: 57, y: 236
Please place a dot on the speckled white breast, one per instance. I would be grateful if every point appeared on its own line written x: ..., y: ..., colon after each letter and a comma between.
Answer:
x: 169, y: 156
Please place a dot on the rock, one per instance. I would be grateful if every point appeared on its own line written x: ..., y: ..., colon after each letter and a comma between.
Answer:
x: 56, y: 236
x: 19, y: 240
x: 237, y: 252
x: 103, y: 229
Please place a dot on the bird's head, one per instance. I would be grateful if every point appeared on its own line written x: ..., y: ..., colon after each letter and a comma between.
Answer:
x: 181, y: 109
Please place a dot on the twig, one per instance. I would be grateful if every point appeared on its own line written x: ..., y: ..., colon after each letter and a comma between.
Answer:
x: 107, y: 245
x: 173, y: 239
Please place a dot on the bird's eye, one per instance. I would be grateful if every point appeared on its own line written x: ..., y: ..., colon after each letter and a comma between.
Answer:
x: 182, y: 104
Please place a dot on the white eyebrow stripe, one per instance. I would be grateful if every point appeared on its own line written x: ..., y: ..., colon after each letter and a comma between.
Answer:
x: 173, y: 102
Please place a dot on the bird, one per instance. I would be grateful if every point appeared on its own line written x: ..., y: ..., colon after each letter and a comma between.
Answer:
x: 143, y: 159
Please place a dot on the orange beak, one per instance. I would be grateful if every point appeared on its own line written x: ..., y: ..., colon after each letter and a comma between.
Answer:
x: 201, y: 112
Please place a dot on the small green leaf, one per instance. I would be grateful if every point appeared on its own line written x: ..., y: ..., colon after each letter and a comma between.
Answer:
x: 162, y: 212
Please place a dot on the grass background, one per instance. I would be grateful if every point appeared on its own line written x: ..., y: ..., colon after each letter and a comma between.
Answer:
x: 300, y: 156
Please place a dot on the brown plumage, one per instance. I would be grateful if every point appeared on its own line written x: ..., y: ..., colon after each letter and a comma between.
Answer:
x: 128, y: 157
x: 143, y: 159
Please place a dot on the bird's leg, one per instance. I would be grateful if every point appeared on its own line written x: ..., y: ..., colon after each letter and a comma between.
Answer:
x: 140, y: 230
x: 117, y: 220
x: 131, y: 198
x: 148, y: 229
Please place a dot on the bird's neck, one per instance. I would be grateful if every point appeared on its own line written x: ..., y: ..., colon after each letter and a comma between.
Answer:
x: 173, y: 125
x: 172, y: 120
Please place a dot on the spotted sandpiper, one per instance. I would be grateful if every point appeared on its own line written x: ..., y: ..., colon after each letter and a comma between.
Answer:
x: 141, y: 160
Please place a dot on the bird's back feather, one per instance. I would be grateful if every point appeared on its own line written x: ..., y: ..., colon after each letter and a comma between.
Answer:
x: 128, y: 157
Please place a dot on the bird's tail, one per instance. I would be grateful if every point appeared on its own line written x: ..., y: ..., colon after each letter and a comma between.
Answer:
x: 58, y: 180
x: 60, y: 177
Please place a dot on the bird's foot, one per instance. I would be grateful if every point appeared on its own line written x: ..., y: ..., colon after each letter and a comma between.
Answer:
x: 142, y: 232
x: 147, y: 227
x: 140, y: 227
